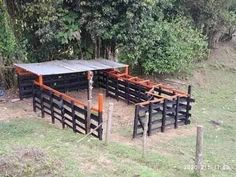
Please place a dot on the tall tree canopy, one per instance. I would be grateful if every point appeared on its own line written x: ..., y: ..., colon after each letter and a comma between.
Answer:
x: 156, y: 35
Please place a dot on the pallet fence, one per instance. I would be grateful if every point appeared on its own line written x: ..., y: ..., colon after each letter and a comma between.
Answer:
x: 167, y: 107
x: 62, y: 83
x: 67, y: 110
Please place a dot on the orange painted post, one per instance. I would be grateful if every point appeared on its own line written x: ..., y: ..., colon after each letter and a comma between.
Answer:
x: 100, y: 115
x: 127, y: 70
x: 18, y: 70
x: 40, y: 80
x: 100, y: 102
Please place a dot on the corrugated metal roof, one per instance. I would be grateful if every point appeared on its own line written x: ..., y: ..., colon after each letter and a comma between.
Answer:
x: 69, y: 66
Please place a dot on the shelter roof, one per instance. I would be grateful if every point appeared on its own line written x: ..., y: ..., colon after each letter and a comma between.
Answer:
x: 69, y: 66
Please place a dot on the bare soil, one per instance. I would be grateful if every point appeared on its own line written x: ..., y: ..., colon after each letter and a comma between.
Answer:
x: 11, y: 107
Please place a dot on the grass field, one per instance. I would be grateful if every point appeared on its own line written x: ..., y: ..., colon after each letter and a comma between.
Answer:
x: 33, y: 147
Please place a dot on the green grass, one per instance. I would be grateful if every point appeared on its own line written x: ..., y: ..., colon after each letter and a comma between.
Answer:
x: 90, y: 158
x: 216, y: 100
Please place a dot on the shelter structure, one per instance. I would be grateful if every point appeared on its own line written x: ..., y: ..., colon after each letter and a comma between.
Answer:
x: 48, y: 82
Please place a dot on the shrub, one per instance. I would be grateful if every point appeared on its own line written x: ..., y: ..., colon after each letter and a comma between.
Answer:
x: 7, y: 38
x: 165, y: 46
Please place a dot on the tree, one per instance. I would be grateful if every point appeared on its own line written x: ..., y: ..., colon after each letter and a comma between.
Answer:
x: 7, y: 39
x: 165, y: 46
x: 108, y: 23
x: 214, y: 17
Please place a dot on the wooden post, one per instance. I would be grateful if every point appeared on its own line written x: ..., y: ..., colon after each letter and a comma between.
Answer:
x: 51, y: 107
x: 189, y: 90
x: 73, y: 115
x: 34, y: 95
x: 126, y: 89
x: 163, y: 124
x: 90, y: 84
x: 62, y: 112
x: 176, y: 112
x: 88, y: 118
x: 100, y: 114
x: 127, y: 70
x: 159, y: 93
x: 139, y: 93
x: 107, y: 92
x: 145, y: 128
x: 150, y: 119
x: 41, y: 103
x: 100, y: 102
x: 40, y: 80
x: 188, y: 105
x: 135, y: 130
x: 199, y: 150
x: 117, y: 89
x: 89, y: 106
x: 127, y: 94
x: 109, y: 122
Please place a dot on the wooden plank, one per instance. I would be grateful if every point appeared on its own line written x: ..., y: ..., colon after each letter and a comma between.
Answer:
x: 163, y: 126
x: 135, y: 128
x: 176, y: 112
x: 62, y: 113
x: 73, y: 115
x: 150, y: 111
x: 41, y: 103
x: 100, y: 129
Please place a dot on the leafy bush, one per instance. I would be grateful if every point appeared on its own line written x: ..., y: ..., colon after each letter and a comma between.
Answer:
x: 51, y: 30
x: 165, y: 46
x: 7, y: 38
x: 213, y: 17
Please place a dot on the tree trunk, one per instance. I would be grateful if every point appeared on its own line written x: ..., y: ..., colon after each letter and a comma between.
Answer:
x: 95, y: 50
x: 99, y: 47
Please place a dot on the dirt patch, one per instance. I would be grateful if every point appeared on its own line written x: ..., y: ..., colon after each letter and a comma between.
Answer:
x: 200, y: 78
x: 123, y: 113
x: 28, y: 162
x: 19, y: 109
x: 224, y: 56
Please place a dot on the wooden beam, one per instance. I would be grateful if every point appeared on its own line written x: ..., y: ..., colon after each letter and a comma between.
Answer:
x: 143, y: 81
x: 132, y: 78
x: 151, y: 101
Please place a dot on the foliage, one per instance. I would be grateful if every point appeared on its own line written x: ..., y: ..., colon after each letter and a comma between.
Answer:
x: 108, y: 22
x: 50, y: 29
x: 164, y: 47
x: 7, y: 38
x: 213, y: 17
x: 157, y: 35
